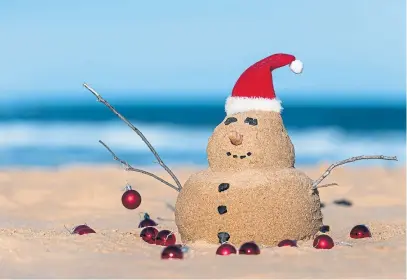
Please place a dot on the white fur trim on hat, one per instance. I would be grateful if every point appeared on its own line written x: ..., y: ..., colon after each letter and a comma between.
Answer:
x: 236, y: 105
x: 296, y: 66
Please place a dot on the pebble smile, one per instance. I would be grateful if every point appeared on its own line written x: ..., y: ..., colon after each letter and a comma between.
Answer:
x: 236, y: 156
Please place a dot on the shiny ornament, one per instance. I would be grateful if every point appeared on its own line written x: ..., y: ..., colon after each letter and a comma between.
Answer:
x: 226, y: 249
x: 360, y: 231
x: 148, y: 234
x: 131, y: 199
x: 323, y: 241
x: 249, y: 248
x: 287, y: 243
x: 165, y: 238
x: 147, y: 222
x: 82, y: 229
x: 172, y: 252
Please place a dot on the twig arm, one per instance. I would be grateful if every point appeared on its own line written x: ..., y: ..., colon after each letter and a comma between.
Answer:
x: 352, y: 159
x: 159, y: 160
x: 326, y: 185
x: 128, y: 167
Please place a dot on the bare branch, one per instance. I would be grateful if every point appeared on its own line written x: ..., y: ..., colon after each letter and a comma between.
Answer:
x: 352, y: 159
x: 160, y: 162
x: 326, y: 185
x: 128, y: 167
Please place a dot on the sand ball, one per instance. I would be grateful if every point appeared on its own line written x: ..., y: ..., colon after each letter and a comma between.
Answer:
x: 263, y: 205
x: 250, y: 140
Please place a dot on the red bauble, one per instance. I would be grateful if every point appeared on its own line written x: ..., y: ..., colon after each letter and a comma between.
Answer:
x: 249, y: 248
x: 147, y: 222
x: 131, y: 199
x: 323, y: 241
x: 82, y: 229
x: 165, y: 238
x: 287, y: 242
x: 79, y: 228
x: 360, y: 231
x: 226, y: 249
x: 172, y: 252
x: 148, y: 234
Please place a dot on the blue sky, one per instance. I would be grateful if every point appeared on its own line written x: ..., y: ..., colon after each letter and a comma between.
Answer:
x: 353, y: 46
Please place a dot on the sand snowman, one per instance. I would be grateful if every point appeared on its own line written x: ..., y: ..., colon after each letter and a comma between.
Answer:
x: 251, y: 190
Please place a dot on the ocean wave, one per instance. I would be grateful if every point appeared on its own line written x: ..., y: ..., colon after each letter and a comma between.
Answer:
x: 87, y: 135
x: 311, y: 145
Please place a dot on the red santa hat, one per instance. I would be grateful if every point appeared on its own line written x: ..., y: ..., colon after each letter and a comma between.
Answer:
x: 254, y: 89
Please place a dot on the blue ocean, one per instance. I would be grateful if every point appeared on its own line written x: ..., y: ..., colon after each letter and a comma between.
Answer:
x: 57, y: 132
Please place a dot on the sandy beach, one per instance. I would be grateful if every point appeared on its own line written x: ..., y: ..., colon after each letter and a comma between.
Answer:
x: 36, y: 204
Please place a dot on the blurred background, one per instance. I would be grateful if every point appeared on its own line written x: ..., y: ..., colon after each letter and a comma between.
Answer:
x: 168, y: 66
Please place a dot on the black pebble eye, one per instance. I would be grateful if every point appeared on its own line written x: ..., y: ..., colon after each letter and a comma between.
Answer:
x: 250, y: 121
x: 230, y: 120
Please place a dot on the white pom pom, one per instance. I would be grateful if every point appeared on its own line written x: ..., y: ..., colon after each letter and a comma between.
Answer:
x: 296, y: 66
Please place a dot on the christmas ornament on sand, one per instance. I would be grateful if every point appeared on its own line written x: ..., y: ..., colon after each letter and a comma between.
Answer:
x: 165, y: 238
x: 249, y: 248
x: 360, y: 231
x: 81, y: 230
x: 287, y: 243
x: 147, y: 221
x: 131, y: 199
x: 323, y: 241
x: 251, y: 190
x: 172, y: 252
x: 148, y: 234
x: 226, y: 249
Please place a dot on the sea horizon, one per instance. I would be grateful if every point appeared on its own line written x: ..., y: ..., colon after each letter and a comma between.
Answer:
x: 58, y: 132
